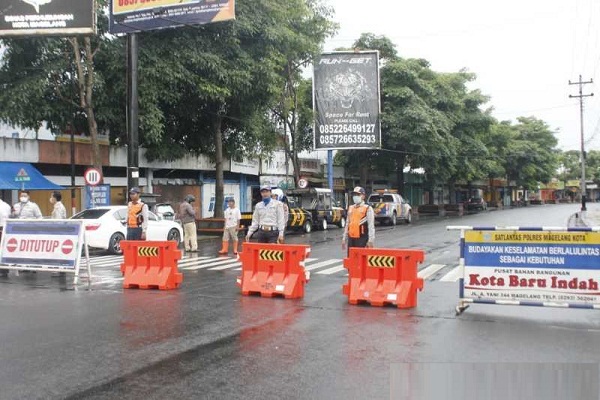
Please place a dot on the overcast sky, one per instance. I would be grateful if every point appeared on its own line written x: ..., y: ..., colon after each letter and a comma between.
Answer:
x: 524, y: 52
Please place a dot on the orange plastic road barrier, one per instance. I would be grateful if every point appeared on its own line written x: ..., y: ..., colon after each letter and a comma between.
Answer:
x: 383, y: 276
x: 273, y: 269
x: 150, y: 264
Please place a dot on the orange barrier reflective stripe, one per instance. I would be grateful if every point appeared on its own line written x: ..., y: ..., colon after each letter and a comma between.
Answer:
x: 150, y: 264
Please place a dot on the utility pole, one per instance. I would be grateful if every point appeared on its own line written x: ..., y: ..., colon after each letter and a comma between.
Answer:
x: 133, y: 173
x: 580, y: 97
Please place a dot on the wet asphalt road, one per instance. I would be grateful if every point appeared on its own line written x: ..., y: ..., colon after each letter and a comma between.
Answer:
x: 205, y: 340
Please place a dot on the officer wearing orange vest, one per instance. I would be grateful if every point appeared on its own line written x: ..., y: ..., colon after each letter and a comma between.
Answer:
x: 137, y: 216
x: 360, y: 229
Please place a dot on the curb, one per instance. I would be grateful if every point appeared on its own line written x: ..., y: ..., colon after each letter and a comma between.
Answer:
x: 579, y: 219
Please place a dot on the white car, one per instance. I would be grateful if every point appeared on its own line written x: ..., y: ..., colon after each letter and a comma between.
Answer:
x: 105, y: 227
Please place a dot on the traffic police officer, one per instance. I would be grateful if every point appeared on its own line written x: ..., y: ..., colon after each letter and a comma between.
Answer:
x: 268, y: 219
x: 137, y: 216
x: 360, y: 229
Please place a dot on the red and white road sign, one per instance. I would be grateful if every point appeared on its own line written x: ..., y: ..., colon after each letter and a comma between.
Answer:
x: 67, y: 246
x: 92, y: 176
x: 12, y: 244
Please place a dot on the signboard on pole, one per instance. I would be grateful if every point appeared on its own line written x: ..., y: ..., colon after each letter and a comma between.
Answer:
x: 346, y: 101
x: 92, y: 176
x: 47, y: 17
x: 553, y: 268
x: 128, y: 16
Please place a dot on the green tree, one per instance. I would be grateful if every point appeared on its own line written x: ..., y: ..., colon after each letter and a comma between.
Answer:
x: 212, y: 89
x: 592, y: 165
x: 300, y: 44
x: 53, y: 81
x: 531, y: 156
x: 569, y: 165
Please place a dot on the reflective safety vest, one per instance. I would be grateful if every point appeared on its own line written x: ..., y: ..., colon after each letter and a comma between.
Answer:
x: 134, y: 214
x: 357, y: 221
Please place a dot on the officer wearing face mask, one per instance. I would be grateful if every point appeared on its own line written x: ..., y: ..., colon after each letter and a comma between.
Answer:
x: 268, y: 220
x: 25, y: 208
x: 360, y: 229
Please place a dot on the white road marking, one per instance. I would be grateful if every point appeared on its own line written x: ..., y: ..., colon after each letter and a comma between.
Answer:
x: 233, y: 263
x: 322, y: 264
x: 452, y: 276
x: 333, y: 270
x: 430, y: 270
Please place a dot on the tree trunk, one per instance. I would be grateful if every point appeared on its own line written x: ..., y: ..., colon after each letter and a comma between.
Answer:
x: 89, y: 110
x: 452, y: 190
x: 400, y: 161
x: 364, y: 173
x: 219, y: 185
x: 85, y: 84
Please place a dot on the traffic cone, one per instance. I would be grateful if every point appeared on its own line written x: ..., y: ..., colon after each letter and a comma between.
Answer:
x: 224, y: 248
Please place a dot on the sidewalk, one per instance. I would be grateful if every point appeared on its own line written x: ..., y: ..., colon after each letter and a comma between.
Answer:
x: 589, y: 218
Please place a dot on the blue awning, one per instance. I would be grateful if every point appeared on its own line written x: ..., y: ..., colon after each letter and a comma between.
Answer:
x: 33, y: 180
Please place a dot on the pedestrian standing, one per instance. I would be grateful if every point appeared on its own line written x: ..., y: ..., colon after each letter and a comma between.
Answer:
x: 268, y: 219
x: 137, y: 216
x: 187, y: 216
x: 25, y: 208
x: 360, y: 229
x: 278, y: 194
x: 59, y: 211
x: 232, y: 223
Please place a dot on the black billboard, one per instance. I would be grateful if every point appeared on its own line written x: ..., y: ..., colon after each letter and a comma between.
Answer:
x: 128, y: 16
x: 47, y: 17
x: 346, y: 101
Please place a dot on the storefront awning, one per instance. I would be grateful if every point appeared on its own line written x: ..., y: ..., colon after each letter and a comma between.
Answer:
x: 17, y: 175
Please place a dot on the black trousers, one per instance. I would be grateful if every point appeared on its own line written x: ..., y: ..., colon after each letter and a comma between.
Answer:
x: 357, y: 242
x: 134, y: 233
x: 266, y: 236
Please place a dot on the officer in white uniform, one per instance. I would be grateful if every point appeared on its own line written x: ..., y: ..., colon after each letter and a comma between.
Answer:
x: 268, y: 220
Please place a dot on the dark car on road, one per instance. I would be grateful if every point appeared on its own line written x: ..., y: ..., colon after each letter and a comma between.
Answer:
x: 476, y: 203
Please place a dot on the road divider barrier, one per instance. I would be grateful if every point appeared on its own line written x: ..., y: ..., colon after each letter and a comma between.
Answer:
x: 150, y: 264
x: 273, y: 269
x: 383, y: 276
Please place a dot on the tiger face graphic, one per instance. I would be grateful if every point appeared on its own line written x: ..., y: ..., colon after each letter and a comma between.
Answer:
x: 346, y: 88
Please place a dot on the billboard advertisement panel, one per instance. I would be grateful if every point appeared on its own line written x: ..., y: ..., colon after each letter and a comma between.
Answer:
x: 142, y: 15
x: 47, y: 17
x: 346, y: 101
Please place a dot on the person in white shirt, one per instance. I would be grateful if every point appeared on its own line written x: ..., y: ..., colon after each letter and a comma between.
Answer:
x: 4, y: 212
x: 26, y: 209
x: 232, y: 222
x: 268, y: 220
x: 59, y: 211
